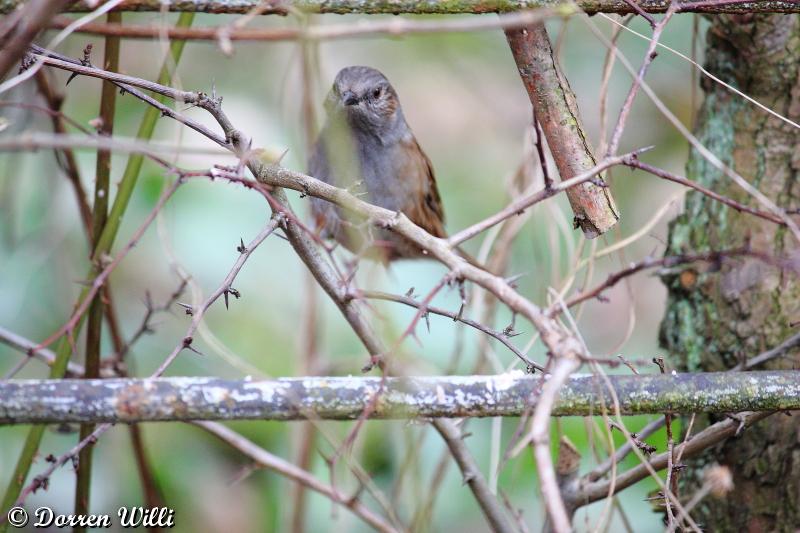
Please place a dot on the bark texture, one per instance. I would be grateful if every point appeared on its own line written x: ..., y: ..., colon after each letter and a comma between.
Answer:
x: 418, y: 6
x: 556, y: 110
x: 717, y: 316
x: 347, y: 398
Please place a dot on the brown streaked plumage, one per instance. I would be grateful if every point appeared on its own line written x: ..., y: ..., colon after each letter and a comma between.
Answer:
x: 367, y: 147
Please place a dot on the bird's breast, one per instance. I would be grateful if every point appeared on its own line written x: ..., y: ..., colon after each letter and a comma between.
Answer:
x: 383, y: 170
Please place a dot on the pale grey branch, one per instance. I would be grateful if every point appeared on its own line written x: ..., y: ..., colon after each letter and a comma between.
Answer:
x: 346, y: 398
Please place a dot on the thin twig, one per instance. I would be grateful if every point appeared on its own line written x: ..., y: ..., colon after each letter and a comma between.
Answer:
x: 520, y: 205
x: 637, y: 82
x: 500, y: 336
x: 472, y: 476
x: 271, y: 462
x: 394, y: 27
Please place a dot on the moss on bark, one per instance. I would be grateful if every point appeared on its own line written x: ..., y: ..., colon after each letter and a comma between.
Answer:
x: 743, y: 307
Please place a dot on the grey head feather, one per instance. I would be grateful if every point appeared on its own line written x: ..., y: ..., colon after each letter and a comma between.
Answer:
x: 364, y: 98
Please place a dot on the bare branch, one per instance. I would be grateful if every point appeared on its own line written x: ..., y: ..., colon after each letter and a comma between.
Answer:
x: 19, y: 29
x: 500, y: 336
x: 473, y: 477
x: 271, y: 462
x: 427, y: 7
x: 28, y: 347
x: 710, y: 436
x: 345, y: 398
x: 558, y: 517
x: 556, y: 109
x: 393, y: 27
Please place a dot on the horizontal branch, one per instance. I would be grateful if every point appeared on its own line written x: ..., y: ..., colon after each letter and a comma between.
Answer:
x: 427, y: 6
x: 345, y: 398
x: 392, y: 26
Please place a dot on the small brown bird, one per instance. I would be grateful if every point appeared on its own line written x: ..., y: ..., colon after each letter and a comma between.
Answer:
x: 367, y: 147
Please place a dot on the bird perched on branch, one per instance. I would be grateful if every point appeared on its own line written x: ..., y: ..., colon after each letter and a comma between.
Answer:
x: 367, y: 147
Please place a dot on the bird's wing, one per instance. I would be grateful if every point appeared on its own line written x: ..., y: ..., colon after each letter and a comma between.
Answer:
x: 428, y: 212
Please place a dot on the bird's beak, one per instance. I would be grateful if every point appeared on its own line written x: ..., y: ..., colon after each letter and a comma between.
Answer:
x: 349, y: 98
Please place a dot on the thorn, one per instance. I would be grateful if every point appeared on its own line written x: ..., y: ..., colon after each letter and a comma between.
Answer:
x: 188, y: 308
x: 280, y: 157
x: 192, y: 348
x: 374, y: 360
x: 512, y: 281
x: 230, y: 290
x: 459, y: 314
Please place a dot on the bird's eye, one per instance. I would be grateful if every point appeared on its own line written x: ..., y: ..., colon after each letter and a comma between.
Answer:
x: 376, y: 93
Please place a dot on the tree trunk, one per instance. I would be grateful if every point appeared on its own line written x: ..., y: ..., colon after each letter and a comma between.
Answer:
x: 718, y: 316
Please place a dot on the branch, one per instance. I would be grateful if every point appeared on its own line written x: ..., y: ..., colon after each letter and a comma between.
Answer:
x: 669, y: 261
x: 501, y: 336
x: 591, y: 492
x: 28, y: 347
x: 274, y: 463
x: 395, y: 26
x: 540, y: 437
x: 634, y: 162
x: 556, y: 109
x: 19, y: 29
x: 426, y: 6
x: 651, y: 54
x: 346, y: 398
x: 473, y: 477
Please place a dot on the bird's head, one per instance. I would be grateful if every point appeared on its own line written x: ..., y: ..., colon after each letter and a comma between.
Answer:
x: 365, y: 98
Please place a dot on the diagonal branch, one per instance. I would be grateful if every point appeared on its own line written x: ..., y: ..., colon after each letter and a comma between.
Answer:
x: 556, y: 109
x: 271, y: 462
x: 19, y: 29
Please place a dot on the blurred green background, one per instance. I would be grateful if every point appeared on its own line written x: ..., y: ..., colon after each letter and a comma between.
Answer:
x: 463, y: 98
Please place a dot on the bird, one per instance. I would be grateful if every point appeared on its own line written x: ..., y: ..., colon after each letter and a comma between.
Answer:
x: 367, y: 147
